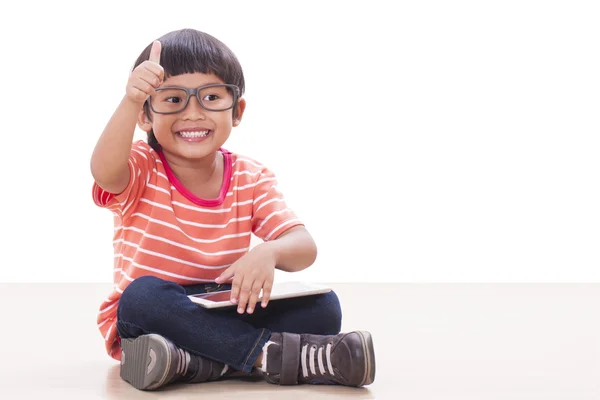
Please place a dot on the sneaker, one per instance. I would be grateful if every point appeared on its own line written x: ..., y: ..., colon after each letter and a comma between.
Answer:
x: 149, y: 362
x: 346, y: 359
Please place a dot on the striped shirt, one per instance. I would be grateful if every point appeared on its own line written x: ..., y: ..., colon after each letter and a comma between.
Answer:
x: 163, y: 230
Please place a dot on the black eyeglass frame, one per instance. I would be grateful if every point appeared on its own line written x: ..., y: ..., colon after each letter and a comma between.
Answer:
x: 196, y: 92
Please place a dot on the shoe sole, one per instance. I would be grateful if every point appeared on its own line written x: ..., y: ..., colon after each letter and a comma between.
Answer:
x: 145, y: 361
x: 369, y: 352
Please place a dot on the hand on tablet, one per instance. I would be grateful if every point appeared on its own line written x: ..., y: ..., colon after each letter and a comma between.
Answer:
x: 251, y: 273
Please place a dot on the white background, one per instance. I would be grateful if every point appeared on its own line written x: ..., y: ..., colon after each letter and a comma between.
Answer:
x: 421, y: 141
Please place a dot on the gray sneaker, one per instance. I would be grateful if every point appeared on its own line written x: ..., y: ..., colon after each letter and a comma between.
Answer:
x: 149, y: 362
x: 345, y: 359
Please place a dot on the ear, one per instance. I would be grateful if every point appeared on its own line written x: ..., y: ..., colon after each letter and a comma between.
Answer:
x: 241, y: 106
x: 144, y: 122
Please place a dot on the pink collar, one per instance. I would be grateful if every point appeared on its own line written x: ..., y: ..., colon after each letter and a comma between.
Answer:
x: 192, y: 197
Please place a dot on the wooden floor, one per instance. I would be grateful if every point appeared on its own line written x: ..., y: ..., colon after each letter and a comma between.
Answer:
x: 432, y: 341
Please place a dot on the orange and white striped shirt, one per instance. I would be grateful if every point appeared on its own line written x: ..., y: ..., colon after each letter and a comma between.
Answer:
x: 163, y: 230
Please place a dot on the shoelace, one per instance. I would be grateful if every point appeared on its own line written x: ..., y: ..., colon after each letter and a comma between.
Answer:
x: 308, y: 357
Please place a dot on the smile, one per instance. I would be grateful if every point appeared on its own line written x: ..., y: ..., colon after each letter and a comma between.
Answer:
x: 194, y: 134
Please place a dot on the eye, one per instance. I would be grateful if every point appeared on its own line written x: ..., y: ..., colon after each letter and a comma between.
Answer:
x: 211, y: 97
x: 173, y: 99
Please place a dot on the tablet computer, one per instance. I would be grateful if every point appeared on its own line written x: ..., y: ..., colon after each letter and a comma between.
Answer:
x: 283, y: 290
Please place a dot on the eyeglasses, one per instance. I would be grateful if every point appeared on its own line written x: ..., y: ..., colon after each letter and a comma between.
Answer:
x: 171, y: 100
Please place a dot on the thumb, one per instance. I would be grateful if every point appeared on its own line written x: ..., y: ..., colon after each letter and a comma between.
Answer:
x: 155, y: 52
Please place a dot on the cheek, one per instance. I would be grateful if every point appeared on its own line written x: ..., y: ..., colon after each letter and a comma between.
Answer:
x: 226, y: 120
x: 161, y: 126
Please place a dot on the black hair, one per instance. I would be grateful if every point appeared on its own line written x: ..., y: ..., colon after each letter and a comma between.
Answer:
x: 189, y: 51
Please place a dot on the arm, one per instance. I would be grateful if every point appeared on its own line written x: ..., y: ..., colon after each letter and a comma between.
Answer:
x: 111, y: 154
x: 294, y: 250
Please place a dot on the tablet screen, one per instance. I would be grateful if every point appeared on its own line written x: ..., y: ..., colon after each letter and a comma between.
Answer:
x: 217, y: 296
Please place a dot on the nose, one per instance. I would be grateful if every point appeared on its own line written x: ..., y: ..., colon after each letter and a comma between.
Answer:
x: 194, y: 110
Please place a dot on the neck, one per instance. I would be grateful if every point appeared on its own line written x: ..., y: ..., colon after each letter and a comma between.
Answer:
x: 199, y: 171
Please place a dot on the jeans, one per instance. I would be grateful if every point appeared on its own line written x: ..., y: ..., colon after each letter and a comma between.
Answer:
x: 153, y: 305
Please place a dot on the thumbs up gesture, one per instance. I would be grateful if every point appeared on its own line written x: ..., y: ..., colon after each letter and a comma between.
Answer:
x: 146, y: 77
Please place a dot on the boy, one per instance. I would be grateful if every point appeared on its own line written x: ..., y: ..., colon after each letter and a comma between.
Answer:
x: 184, y: 210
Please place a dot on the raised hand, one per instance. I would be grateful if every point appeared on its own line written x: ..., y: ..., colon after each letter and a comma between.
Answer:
x: 146, y: 77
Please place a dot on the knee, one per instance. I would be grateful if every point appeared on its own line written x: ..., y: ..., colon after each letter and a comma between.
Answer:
x: 142, y: 297
x: 139, y: 291
x: 330, y: 313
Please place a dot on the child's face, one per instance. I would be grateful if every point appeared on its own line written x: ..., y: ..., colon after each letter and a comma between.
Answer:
x: 182, y: 134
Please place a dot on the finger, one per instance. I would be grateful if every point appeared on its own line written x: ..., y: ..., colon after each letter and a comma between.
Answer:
x: 137, y: 94
x: 268, y: 285
x: 150, y: 77
x: 155, y: 52
x: 225, y: 275
x: 155, y: 69
x: 235, y: 288
x: 244, y: 295
x: 255, y: 292
x: 144, y: 87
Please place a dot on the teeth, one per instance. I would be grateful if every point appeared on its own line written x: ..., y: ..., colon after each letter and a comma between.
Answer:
x: 194, y: 134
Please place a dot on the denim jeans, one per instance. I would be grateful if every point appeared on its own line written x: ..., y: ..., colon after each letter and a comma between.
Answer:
x: 153, y: 305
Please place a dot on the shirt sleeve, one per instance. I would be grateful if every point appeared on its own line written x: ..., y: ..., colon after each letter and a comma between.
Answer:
x: 271, y: 217
x: 140, y: 164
